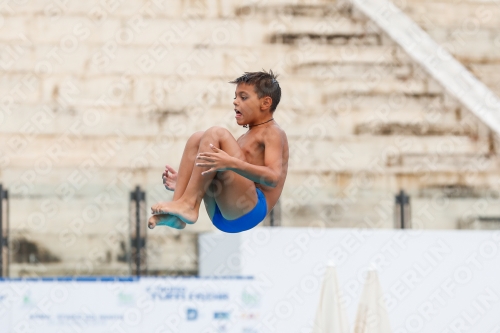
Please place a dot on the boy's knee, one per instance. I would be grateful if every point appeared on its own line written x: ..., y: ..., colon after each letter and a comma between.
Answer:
x: 195, y: 138
x: 217, y: 130
x: 198, y: 135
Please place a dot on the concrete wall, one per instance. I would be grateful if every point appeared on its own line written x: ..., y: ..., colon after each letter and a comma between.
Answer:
x: 468, y: 29
x: 97, y: 96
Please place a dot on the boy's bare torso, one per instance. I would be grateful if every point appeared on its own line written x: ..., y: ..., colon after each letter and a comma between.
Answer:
x: 252, y: 145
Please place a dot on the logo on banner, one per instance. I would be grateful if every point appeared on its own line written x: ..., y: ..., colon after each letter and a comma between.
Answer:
x: 166, y: 293
x: 161, y: 293
x: 250, y: 299
x: 39, y: 316
x: 27, y: 301
x: 125, y: 299
x: 191, y: 314
x: 249, y: 316
x: 221, y: 315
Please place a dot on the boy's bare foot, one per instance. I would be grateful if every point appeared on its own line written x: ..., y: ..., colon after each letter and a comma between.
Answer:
x: 165, y: 219
x: 178, y: 208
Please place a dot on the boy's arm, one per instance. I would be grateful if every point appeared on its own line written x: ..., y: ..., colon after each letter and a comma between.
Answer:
x: 269, y: 174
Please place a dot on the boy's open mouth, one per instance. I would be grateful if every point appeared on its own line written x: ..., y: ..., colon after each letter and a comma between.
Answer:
x: 238, y: 114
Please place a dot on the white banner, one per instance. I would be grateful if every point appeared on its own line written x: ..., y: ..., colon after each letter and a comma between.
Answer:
x: 129, y: 305
x: 432, y: 281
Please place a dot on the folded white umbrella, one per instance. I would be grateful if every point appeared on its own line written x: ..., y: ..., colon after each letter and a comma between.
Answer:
x: 372, y: 314
x: 330, y: 315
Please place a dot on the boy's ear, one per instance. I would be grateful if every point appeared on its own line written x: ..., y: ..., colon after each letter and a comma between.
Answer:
x: 266, y: 102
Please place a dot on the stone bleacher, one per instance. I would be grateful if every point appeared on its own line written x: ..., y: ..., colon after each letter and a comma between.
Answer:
x: 363, y: 121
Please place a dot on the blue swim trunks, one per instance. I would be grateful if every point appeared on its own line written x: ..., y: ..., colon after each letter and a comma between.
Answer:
x: 247, y: 221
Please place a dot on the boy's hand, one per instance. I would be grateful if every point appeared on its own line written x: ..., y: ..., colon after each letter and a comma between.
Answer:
x: 219, y: 160
x: 169, y: 177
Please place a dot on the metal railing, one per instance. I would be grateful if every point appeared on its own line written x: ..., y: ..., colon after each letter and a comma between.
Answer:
x: 402, y: 212
x: 4, y: 232
x: 138, y: 226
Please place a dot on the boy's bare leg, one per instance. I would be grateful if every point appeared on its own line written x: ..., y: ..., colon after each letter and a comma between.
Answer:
x: 237, y: 199
x: 187, y: 164
x: 185, y: 170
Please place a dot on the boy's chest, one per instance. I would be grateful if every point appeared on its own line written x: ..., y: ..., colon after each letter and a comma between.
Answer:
x: 253, y: 148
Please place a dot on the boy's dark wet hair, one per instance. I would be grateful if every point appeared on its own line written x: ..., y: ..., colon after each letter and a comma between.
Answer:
x: 265, y: 84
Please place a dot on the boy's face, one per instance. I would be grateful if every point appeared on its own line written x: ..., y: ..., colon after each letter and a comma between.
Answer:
x: 246, y: 104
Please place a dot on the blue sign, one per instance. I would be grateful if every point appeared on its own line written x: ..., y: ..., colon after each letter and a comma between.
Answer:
x: 191, y: 314
x: 221, y: 315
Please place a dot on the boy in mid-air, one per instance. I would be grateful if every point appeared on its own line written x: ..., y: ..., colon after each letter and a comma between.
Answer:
x: 239, y: 181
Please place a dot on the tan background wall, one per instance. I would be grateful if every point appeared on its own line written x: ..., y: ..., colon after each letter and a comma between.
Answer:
x: 96, y: 96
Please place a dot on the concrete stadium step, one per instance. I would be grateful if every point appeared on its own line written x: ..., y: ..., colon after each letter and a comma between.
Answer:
x: 95, y: 60
x: 340, y: 37
x: 306, y: 153
x: 306, y: 89
x: 95, y: 211
x: 110, y: 90
x: 348, y: 215
x: 345, y: 213
x: 485, y: 70
x: 85, y: 9
x: 102, y: 138
x: 34, y: 270
x: 135, y: 145
x: 469, y: 34
x: 317, y: 55
x: 418, y: 114
x: 351, y: 152
x: 103, y: 249
x: 413, y: 126
x: 429, y: 14
x: 322, y: 27
x: 29, y: 28
x: 417, y: 128
x: 342, y: 71
x: 126, y: 9
x: 192, y: 31
x: 111, y: 249
x: 169, y: 126
x: 78, y: 216
x: 488, y: 74
x: 378, y: 86
x: 163, y: 259
x: 396, y: 163
x: 400, y: 122
x: 429, y: 102
x: 346, y: 116
x: 335, y: 24
x: 140, y: 152
x: 406, y: 120
x: 327, y: 9
x: 470, y: 164
x: 422, y: 167
x: 478, y: 47
x: 368, y: 186
x: 106, y: 188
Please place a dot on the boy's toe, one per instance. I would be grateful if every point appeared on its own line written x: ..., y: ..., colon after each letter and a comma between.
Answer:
x: 152, y: 222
